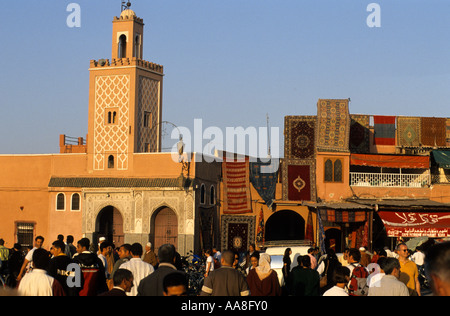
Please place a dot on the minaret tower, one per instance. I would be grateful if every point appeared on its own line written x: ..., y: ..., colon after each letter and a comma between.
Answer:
x: 127, y: 35
x: 125, y: 100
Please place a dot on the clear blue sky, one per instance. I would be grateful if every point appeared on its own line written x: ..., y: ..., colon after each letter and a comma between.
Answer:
x: 227, y: 62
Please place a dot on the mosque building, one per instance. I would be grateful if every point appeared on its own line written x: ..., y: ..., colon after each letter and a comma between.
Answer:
x: 115, y: 183
x: 346, y: 180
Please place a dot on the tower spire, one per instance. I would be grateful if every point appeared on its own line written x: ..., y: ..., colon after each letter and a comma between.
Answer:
x: 125, y: 5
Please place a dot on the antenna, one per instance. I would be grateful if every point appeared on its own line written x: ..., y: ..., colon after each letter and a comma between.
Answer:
x: 268, y: 136
x: 125, y: 5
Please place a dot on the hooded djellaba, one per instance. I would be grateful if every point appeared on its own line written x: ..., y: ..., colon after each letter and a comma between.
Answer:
x: 263, y: 281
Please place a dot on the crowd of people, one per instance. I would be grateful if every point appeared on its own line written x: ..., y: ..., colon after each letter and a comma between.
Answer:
x: 360, y: 273
x: 129, y: 270
x: 81, y: 270
x: 356, y: 272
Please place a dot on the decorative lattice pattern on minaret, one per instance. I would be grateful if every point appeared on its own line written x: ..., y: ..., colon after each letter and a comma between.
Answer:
x: 112, y: 93
x: 149, y: 99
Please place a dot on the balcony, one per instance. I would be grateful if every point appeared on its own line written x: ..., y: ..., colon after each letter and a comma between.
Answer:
x: 389, y: 180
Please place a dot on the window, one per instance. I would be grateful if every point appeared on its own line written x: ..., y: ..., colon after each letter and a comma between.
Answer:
x: 148, y: 119
x: 122, y: 53
x: 328, y: 171
x: 338, y: 171
x: 333, y: 170
x: 111, y: 117
x: 212, y: 195
x: 60, y: 202
x: 25, y: 234
x: 75, y: 202
x: 111, y: 162
x: 203, y: 194
x: 137, y: 46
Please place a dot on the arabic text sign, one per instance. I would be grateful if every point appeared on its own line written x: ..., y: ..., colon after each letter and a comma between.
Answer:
x: 416, y: 224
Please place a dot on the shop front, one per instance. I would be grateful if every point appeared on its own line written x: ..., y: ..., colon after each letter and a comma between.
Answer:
x: 404, y: 219
x: 343, y: 225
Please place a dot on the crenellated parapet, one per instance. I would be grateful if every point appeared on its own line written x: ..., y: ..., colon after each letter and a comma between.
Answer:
x: 122, y: 62
x: 128, y: 15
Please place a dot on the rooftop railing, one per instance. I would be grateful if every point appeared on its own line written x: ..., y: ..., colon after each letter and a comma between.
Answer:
x: 389, y: 180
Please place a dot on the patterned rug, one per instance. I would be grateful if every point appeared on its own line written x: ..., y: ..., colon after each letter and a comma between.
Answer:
x: 261, y: 232
x: 448, y: 132
x: 384, y: 129
x: 434, y: 131
x: 333, y: 125
x: 237, y: 232
x: 338, y: 216
x: 299, y: 136
x: 299, y: 180
x: 309, y: 234
x: 207, y: 223
x: 359, y: 134
x: 264, y: 183
x: 236, y: 187
x: 409, y: 131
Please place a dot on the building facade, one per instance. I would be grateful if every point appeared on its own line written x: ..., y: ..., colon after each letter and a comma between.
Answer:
x: 346, y: 180
x: 350, y: 180
x: 115, y: 183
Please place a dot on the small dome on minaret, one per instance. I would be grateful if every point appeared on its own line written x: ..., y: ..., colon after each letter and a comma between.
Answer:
x: 128, y: 14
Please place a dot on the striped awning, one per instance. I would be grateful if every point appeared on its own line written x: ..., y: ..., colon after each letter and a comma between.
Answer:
x: 391, y: 161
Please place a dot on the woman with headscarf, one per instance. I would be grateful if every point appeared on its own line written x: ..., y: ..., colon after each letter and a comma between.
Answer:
x: 327, y: 266
x: 262, y: 280
x: 286, y: 264
x: 375, y: 274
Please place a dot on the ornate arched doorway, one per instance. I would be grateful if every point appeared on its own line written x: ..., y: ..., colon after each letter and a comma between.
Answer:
x: 110, y: 225
x: 285, y: 225
x: 164, y: 227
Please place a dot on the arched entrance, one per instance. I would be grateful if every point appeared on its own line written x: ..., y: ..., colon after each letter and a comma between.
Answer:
x: 164, y: 227
x: 110, y: 225
x: 285, y: 225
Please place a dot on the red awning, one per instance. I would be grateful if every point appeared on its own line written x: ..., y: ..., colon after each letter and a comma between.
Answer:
x: 416, y: 224
x: 391, y: 161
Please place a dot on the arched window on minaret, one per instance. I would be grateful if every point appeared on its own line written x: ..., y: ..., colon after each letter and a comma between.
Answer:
x: 137, y: 46
x: 111, y: 162
x: 122, y: 46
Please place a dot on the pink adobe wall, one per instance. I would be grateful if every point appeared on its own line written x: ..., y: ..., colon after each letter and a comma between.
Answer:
x: 24, y: 183
x: 26, y: 197
x: 332, y: 191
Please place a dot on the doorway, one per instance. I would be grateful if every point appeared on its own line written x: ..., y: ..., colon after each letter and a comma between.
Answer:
x: 333, y: 239
x: 110, y: 225
x: 285, y: 225
x: 165, y: 228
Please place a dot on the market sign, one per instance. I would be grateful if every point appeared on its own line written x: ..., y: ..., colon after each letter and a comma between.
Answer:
x: 416, y: 224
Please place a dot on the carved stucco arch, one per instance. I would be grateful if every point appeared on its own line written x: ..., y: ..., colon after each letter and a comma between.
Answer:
x: 152, y: 218
x: 93, y: 216
x: 162, y: 205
